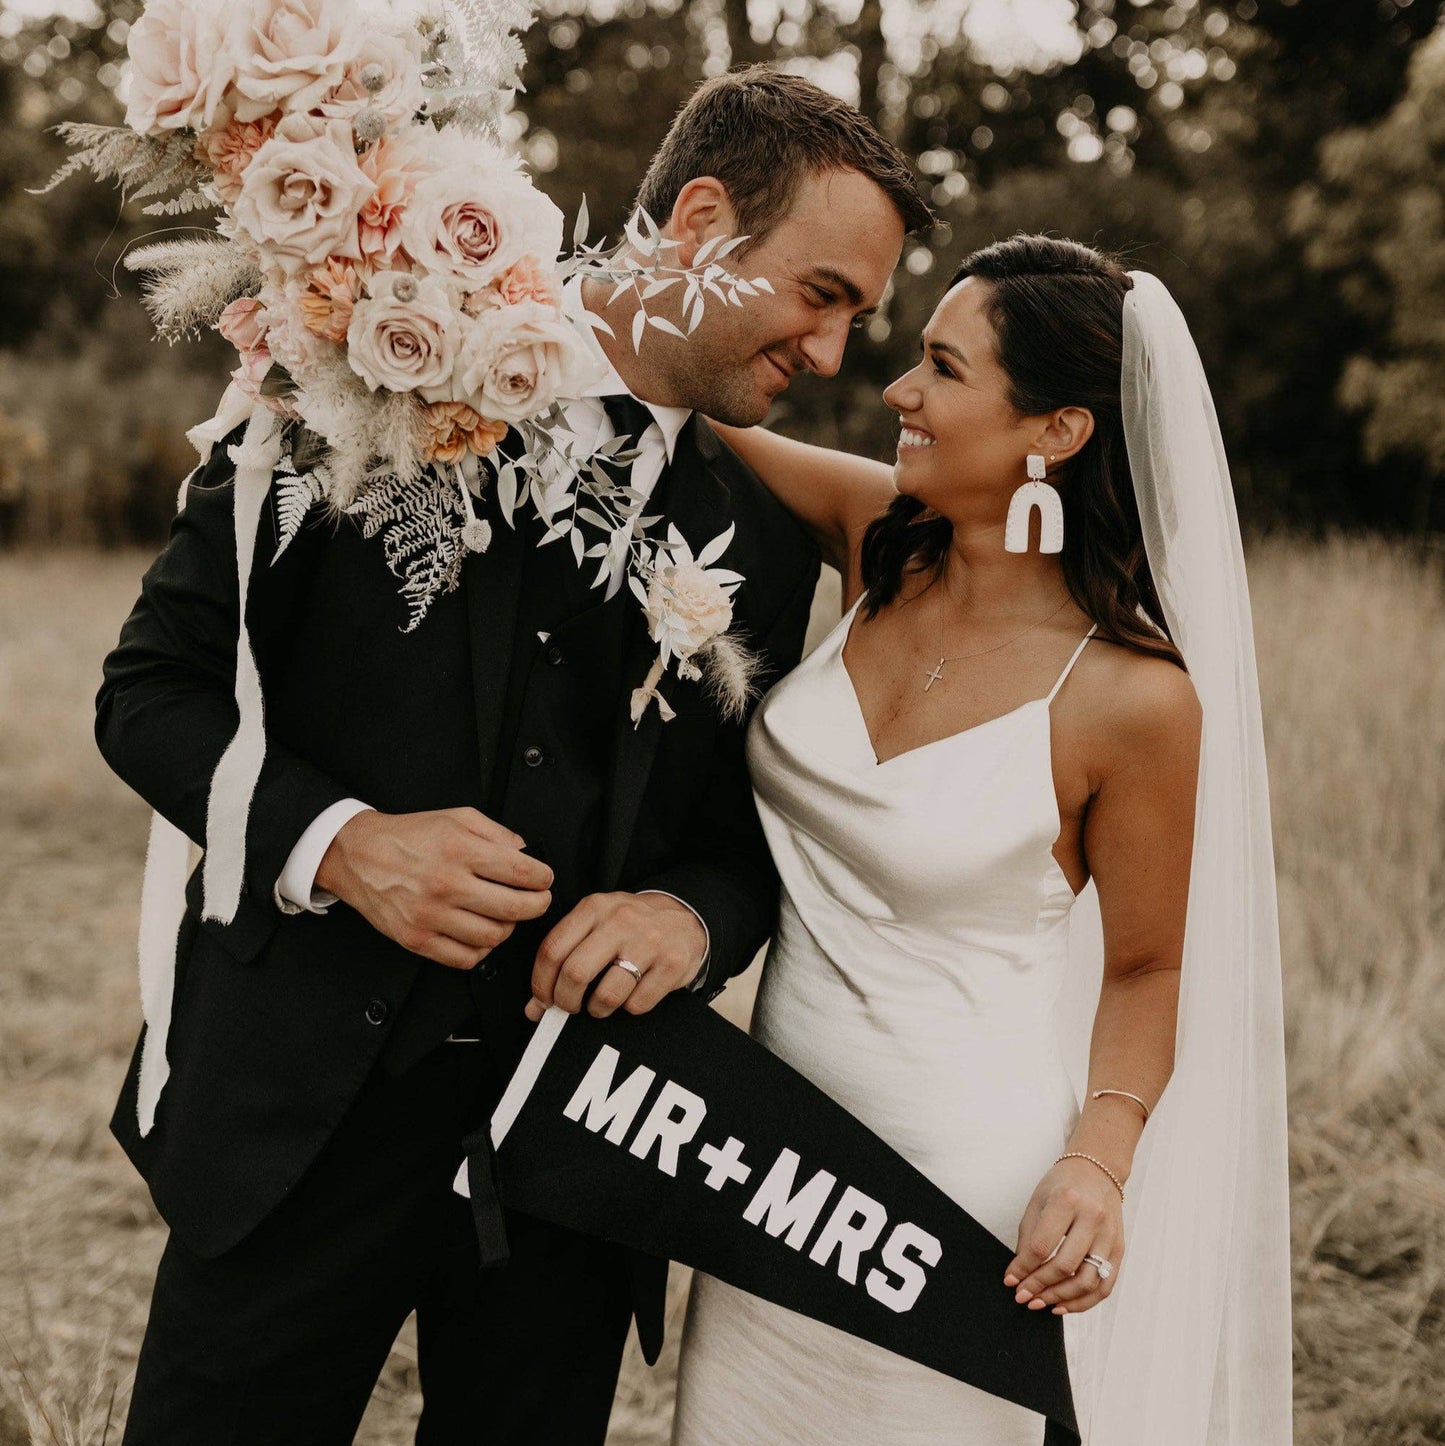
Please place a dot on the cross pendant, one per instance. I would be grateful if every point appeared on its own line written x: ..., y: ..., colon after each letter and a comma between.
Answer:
x: 934, y: 676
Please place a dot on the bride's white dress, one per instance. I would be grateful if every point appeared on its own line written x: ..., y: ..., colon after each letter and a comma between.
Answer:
x: 922, y: 940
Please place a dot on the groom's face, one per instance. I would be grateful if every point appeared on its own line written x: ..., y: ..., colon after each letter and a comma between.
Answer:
x: 828, y: 261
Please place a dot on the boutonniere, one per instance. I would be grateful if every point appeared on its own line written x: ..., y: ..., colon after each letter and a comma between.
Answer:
x: 688, y: 603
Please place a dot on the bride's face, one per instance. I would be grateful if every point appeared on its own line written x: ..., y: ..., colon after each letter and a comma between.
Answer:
x: 961, y: 441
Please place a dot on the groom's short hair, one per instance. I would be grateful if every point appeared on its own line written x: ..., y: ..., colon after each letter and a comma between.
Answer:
x: 761, y: 131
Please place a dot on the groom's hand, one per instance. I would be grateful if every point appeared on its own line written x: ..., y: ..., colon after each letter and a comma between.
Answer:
x: 449, y: 885
x: 661, y: 937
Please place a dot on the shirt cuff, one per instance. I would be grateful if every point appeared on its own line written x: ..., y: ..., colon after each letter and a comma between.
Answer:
x: 296, y: 891
x: 700, y: 977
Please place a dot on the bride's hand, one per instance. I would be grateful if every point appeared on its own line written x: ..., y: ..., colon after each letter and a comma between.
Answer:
x: 1075, y: 1211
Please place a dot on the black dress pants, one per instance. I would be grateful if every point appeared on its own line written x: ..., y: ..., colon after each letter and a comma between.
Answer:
x: 279, y: 1341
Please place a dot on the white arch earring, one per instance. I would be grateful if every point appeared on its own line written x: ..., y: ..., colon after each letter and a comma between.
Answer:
x: 1035, y: 493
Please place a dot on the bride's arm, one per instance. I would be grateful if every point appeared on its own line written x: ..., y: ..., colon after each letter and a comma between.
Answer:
x: 835, y: 495
x: 1138, y: 839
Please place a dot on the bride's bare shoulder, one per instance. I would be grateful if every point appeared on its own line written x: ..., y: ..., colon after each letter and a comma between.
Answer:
x: 1137, y: 703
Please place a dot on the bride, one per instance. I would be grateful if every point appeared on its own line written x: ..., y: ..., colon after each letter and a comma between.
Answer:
x: 1015, y: 880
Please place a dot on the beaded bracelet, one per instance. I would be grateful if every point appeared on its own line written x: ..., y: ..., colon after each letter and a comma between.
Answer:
x: 1080, y: 1155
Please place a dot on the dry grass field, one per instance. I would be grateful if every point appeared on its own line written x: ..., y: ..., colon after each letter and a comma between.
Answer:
x: 1352, y: 660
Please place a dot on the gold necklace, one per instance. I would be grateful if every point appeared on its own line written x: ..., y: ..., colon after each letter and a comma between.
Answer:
x: 937, y: 671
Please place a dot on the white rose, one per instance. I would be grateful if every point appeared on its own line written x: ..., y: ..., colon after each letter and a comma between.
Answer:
x: 179, y: 66
x: 290, y: 54
x: 402, y: 339
x: 686, y: 608
x: 516, y: 361
x: 471, y: 222
x: 302, y: 192
x: 392, y: 63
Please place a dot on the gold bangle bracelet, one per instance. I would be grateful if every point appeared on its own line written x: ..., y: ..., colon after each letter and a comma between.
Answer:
x: 1080, y: 1155
x: 1127, y: 1096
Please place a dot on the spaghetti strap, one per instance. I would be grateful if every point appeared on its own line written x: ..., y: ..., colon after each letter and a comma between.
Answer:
x: 1069, y: 666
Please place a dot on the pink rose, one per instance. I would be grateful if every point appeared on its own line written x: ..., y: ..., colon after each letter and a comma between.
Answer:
x: 515, y: 361
x: 401, y: 339
x: 179, y: 66
x: 476, y: 217
x: 290, y: 54
x: 302, y: 192
x: 243, y: 324
x: 392, y: 63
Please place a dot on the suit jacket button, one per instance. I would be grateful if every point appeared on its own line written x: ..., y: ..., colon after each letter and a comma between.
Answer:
x: 533, y: 757
x: 377, y: 1011
x: 555, y: 655
x: 487, y: 970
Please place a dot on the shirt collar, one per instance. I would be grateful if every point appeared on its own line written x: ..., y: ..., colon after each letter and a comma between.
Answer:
x: 670, y: 420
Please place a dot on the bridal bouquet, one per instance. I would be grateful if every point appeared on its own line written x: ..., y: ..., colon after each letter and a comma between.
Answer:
x: 391, y: 282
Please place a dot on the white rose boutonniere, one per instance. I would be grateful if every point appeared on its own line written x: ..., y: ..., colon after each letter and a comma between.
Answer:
x: 689, y: 608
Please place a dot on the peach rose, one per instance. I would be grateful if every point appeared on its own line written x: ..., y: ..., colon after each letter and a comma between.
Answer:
x: 525, y: 280
x: 452, y: 429
x: 229, y: 149
x: 289, y: 54
x: 180, y: 66
x: 302, y: 192
x: 394, y: 167
x: 329, y: 300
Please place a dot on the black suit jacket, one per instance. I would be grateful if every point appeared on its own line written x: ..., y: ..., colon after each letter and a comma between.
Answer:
x: 278, y: 1018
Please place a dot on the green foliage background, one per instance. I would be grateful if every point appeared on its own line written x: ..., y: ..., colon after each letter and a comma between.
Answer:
x: 1277, y: 162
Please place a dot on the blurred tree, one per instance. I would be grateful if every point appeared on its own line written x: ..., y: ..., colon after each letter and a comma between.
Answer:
x: 1174, y: 131
x: 1375, y: 224
x: 51, y: 247
x: 599, y: 99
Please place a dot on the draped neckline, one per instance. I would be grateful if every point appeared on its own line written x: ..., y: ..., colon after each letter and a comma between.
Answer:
x: 843, y: 632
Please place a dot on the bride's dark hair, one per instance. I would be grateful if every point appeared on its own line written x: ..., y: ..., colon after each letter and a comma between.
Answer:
x: 1057, y: 311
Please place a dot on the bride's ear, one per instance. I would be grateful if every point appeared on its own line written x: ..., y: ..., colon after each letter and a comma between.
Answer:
x: 1068, y: 429
x: 703, y: 210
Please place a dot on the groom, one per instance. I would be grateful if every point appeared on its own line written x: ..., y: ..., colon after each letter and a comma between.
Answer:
x: 454, y: 825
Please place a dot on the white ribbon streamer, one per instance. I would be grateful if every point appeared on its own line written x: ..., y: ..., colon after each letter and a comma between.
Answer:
x: 162, y: 906
x: 240, y: 766
x: 163, y: 892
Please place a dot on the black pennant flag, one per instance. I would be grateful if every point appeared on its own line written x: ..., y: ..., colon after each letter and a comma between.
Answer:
x: 676, y: 1134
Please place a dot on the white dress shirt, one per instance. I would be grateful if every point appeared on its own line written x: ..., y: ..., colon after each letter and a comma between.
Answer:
x: 587, y: 419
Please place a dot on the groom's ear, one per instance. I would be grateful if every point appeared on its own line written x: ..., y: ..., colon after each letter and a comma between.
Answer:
x: 702, y: 211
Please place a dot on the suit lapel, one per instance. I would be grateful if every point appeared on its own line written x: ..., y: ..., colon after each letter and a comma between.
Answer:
x: 695, y: 499
x: 492, y: 582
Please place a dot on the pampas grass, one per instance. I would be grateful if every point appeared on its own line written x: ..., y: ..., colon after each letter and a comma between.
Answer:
x: 1352, y: 662
x: 194, y: 281
x: 730, y: 674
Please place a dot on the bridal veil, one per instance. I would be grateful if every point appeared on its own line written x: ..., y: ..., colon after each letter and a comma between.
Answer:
x: 1193, y: 1347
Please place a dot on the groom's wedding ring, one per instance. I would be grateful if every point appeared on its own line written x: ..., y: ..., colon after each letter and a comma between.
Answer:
x: 630, y: 967
x: 1100, y: 1264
